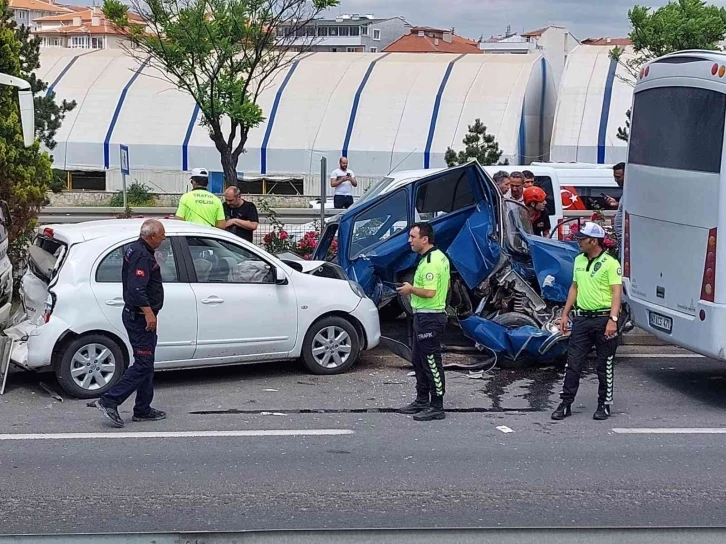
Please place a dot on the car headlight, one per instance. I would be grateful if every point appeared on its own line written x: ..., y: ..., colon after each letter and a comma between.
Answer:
x: 357, y: 289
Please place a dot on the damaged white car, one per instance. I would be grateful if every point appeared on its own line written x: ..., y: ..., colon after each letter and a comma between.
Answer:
x: 226, y: 302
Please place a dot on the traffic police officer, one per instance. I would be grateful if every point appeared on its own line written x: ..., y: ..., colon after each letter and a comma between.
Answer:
x: 199, y: 206
x: 143, y: 295
x: 595, y: 293
x: 428, y: 301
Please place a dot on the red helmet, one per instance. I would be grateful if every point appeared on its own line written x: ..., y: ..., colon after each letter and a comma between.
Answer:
x: 534, y: 194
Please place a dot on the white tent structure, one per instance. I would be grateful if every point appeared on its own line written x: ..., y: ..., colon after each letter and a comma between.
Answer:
x: 592, y: 102
x: 384, y: 111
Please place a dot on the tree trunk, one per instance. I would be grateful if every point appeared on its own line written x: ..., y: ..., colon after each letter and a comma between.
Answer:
x: 229, y: 167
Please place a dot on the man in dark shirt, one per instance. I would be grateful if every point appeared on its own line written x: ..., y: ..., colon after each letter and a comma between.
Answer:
x: 241, y: 216
x: 536, y: 201
x: 143, y: 295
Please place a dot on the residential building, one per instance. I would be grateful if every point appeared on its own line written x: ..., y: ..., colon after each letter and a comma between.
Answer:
x: 345, y: 33
x: 609, y: 42
x: 423, y: 39
x: 86, y: 28
x: 555, y: 43
x: 25, y: 12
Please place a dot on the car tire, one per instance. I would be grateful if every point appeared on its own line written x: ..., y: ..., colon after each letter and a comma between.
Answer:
x: 514, y: 320
x: 316, y: 349
x: 82, y: 350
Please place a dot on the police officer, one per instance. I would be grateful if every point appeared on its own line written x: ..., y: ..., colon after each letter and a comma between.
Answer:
x: 143, y: 295
x: 428, y: 301
x: 595, y: 293
x: 199, y: 206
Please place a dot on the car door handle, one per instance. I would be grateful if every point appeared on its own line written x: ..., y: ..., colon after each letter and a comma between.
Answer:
x: 115, y: 302
x: 212, y: 300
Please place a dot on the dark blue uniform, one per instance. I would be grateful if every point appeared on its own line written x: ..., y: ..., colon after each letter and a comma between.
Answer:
x: 141, y: 277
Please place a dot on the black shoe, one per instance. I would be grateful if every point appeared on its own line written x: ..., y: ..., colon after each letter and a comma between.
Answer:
x: 430, y: 413
x: 111, y: 414
x: 563, y: 410
x: 602, y: 412
x: 414, y: 408
x: 153, y: 415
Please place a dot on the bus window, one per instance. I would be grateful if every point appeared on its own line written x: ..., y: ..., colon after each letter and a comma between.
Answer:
x: 670, y: 129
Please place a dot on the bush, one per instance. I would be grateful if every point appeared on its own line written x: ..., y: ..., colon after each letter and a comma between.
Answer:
x: 58, y: 183
x: 137, y: 194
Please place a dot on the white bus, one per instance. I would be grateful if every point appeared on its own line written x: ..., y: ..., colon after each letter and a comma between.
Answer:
x: 675, y: 202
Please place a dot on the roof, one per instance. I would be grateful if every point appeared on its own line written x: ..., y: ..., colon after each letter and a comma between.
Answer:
x: 349, y: 22
x: 537, y: 33
x: 86, y: 14
x: 38, y: 5
x: 92, y: 230
x: 608, y: 41
x: 413, y: 43
x: 103, y: 28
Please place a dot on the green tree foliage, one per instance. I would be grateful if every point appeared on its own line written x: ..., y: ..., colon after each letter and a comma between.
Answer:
x: 679, y: 25
x: 224, y: 53
x: 25, y: 173
x: 477, y: 145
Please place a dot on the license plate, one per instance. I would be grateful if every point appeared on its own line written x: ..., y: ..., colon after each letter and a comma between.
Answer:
x: 660, y: 322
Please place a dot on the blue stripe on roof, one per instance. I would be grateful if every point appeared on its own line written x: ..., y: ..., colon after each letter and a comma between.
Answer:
x: 522, y: 137
x: 541, y: 110
x: 435, y: 113
x: 605, y: 112
x: 114, y: 119
x: 356, y: 103
x: 187, y: 137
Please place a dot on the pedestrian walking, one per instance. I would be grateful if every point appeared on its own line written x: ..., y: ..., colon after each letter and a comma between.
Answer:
x: 343, y: 180
x: 143, y: 295
x: 595, y: 294
x: 199, y: 206
x: 428, y: 301
x: 241, y: 215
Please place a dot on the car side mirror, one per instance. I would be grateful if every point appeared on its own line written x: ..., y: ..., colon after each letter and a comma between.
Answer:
x: 280, y: 277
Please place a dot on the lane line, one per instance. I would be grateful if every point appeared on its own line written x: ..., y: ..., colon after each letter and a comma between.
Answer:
x: 695, y: 430
x: 659, y: 356
x: 176, y: 434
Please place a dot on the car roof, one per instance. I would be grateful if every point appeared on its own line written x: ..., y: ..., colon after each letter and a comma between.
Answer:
x: 74, y: 233
x: 407, y: 174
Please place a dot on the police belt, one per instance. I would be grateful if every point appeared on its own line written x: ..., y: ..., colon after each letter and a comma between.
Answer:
x: 427, y: 311
x: 592, y: 313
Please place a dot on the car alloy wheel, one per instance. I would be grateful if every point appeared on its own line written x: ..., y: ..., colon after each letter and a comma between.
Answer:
x: 92, y: 366
x: 331, y: 347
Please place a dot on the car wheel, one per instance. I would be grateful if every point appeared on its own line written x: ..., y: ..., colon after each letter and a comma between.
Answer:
x: 514, y: 320
x: 89, y: 366
x: 331, y: 346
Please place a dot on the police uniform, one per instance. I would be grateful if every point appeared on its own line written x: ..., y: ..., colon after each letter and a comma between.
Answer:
x: 142, y: 287
x: 200, y: 207
x: 429, y: 324
x: 594, y: 279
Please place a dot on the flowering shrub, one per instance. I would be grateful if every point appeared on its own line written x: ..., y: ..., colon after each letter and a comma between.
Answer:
x: 610, y: 242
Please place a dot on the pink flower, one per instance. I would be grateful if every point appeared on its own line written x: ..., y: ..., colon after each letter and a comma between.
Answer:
x: 283, y: 235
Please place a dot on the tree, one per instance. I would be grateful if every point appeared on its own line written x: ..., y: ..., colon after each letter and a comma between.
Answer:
x: 478, y: 145
x: 679, y: 25
x: 25, y: 172
x: 224, y: 53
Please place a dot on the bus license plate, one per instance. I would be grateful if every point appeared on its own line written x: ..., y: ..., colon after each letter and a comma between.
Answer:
x: 661, y: 322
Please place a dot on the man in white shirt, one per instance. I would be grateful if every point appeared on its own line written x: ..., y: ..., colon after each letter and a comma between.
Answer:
x: 516, y: 187
x: 343, y: 180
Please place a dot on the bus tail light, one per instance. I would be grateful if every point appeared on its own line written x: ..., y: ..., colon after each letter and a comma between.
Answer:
x: 626, y: 246
x: 708, y: 285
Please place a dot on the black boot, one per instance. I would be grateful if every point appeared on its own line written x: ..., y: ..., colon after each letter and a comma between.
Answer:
x: 419, y: 405
x: 562, y: 411
x: 435, y: 411
x: 602, y: 412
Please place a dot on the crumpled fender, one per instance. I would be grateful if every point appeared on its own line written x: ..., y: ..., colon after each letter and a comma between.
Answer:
x: 474, y: 253
x: 513, y: 343
x: 553, y: 262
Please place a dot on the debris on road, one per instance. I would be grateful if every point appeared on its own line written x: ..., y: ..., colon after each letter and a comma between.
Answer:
x: 52, y: 393
x: 504, y: 429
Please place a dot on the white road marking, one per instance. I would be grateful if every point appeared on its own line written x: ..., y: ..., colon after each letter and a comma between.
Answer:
x: 176, y: 434
x: 695, y: 430
x: 659, y: 356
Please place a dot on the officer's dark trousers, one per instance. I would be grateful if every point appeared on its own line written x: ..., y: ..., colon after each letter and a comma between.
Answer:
x: 586, y: 332
x: 139, y: 376
x: 428, y: 329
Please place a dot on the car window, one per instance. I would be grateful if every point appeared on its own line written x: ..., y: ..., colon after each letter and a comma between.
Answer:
x: 219, y: 261
x: 517, y: 221
x: 545, y: 183
x: 443, y: 195
x: 374, y: 190
x: 109, y: 271
x: 385, y: 219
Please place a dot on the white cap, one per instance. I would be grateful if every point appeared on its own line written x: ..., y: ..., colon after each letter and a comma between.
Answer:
x: 590, y: 230
x: 200, y: 173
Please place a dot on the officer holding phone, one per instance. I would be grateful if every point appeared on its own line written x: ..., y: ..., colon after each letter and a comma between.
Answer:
x: 343, y: 180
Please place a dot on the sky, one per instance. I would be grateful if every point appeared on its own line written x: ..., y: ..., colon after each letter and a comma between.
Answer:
x: 473, y: 18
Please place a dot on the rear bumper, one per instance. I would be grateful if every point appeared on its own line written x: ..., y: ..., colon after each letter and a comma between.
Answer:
x: 706, y: 337
x: 367, y: 314
x: 34, y: 344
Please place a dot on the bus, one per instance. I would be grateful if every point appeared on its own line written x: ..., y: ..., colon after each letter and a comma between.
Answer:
x: 675, y: 202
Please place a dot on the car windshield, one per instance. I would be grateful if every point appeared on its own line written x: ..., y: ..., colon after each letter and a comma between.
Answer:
x: 376, y: 189
x: 385, y: 219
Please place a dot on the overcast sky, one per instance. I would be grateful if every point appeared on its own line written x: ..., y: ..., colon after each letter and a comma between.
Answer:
x: 472, y: 18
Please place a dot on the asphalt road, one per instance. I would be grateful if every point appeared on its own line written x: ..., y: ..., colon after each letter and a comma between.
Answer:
x: 373, y: 468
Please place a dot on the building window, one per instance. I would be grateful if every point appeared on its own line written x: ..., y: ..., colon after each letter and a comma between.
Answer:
x: 374, y: 50
x: 343, y: 31
x: 364, y: 30
x: 333, y: 31
x: 354, y: 30
x: 280, y: 32
x: 79, y: 42
x: 322, y: 31
x: 97, y: 43
x: 377, y: 34
x: 355, y: 49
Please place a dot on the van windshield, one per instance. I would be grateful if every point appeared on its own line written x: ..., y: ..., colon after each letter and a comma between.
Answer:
x: 378, y: 188
x: 44, y: 256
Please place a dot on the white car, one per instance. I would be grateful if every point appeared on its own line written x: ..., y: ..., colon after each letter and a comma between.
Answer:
x: 226, y: 301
